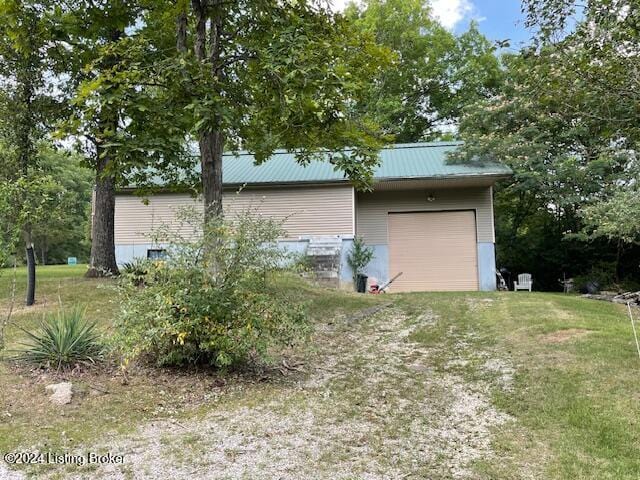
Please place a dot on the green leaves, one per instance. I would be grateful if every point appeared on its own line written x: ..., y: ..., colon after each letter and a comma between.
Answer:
x: 615, y: 218
x: 433, y: 73
x: 286, y: 76
x: 62, y: 341
x: 211, y: 300
x: 359, y: 256
x: 302, y: 91
x: 566, y: 121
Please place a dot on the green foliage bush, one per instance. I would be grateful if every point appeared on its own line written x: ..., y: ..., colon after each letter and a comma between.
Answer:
x: 602, y: 273
x: 63, y: 340
x: 210, y: 301
x: 135, y: 270
x: 359, y: 256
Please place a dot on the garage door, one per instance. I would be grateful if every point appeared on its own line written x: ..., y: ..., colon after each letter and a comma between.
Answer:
x: 436, y: 251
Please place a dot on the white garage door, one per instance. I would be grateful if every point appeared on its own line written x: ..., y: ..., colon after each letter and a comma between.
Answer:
x: 436, y: 251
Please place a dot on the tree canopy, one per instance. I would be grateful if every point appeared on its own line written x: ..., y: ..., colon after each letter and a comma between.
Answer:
x: 435, y: 73
x: 566, y: 120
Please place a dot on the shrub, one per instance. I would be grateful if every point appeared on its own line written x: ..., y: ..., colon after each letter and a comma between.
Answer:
x: 62, y: 340
x: 136, y: 270
x: 210, y: 301
x: 601, y: 276
x: 359, y: 256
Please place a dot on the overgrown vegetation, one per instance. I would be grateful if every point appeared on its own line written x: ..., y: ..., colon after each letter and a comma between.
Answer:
x: 210, y: 301
x: 136, y: 270
x: 63, y: 340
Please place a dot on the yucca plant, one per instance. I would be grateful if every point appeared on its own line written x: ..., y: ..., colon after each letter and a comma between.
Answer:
x: 62, y: 340
x: 136, y: 270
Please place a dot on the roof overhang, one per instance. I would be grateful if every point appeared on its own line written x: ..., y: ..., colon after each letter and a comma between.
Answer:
x: 379, y: 184
x: 449, y: 181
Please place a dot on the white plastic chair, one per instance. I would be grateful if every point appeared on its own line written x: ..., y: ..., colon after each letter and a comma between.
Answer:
x: 525, y: 282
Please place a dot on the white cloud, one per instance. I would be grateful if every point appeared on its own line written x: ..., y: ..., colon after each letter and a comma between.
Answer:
x: 451, y: 12
x: 448, y: 12
x: 338, y: 5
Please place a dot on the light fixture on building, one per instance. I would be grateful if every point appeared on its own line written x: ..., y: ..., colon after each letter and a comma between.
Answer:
x: 430, y: 197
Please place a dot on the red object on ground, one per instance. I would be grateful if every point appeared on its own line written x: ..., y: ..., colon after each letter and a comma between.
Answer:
x: 376, y: 289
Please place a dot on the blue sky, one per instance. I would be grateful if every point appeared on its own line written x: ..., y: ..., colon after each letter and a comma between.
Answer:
x: 498, y: 19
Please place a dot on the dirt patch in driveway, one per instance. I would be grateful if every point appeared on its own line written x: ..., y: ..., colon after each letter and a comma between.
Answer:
x: 561, y: 336
x: 6, y: 474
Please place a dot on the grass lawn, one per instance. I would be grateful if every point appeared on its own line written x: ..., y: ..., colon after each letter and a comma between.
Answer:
x: 434, y: 385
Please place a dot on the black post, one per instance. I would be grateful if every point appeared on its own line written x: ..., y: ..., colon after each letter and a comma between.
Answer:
x: 31, y: 276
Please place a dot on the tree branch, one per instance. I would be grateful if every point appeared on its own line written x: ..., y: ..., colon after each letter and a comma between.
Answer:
x: 199, y: 46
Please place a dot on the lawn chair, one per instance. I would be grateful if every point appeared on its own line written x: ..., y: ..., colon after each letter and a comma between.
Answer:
x: 524, y: 282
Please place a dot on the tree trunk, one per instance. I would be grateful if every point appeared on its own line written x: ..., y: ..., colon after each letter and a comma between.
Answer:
x: 26, y: 78
x: 102, y: 261
x: 211, y: 140
x: 199, y: 46
x: 181, y: 32
x: 211, y: 149
x: 103, y: 258
x: 31, y: 272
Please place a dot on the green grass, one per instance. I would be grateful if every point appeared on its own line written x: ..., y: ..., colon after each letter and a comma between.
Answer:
x: 24, y: 407
x: 574, y: 398
x: 28, y: 418
x: 47, y: 274
x: 576, y: 402
x: 55, y: 285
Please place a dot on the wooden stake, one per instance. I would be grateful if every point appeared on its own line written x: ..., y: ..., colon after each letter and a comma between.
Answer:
x: 633, y: 326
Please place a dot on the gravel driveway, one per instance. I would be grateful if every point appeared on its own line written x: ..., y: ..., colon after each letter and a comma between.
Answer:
x: 371, y: 404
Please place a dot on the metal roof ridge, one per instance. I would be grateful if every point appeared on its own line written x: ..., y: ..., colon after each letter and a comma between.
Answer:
x: 505, y: 173
x: 392, y: 146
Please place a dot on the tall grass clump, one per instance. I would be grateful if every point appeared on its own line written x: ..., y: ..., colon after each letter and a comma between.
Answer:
x: 62, y: 340
x: 210, y: 300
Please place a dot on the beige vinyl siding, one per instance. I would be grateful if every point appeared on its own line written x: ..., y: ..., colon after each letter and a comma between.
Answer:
x: 137, y: 218
x: 308, y: 211
x: 374, y: 207
x: 435, y: 251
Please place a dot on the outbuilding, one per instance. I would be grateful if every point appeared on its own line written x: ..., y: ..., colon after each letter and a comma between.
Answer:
x: 425, y: 217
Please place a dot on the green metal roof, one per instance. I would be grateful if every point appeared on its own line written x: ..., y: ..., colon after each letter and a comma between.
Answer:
x: 397, y: 162
x: 400, y: 161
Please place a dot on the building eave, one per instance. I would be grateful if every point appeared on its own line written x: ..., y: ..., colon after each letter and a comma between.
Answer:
x: 326, y: 183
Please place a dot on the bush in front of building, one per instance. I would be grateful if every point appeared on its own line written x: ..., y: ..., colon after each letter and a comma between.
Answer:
x: 210, y: 300
x: 359, y: 257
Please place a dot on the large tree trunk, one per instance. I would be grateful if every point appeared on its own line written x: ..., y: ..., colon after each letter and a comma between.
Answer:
x: 103, y: 257
x: 102, y: 261
x: 211, y: 149
x: 211, y: 140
